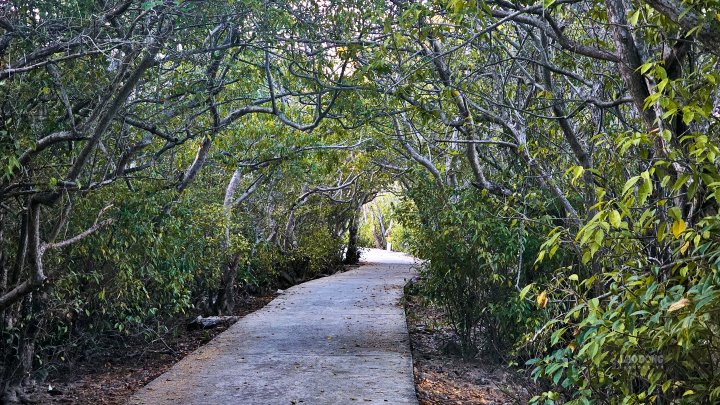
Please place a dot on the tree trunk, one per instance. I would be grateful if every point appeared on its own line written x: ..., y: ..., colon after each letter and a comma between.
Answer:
x: 3, y: 268
x: 352, y: 255
x: 18, y: 362
x: 379, y: 229
x: 225, y: 302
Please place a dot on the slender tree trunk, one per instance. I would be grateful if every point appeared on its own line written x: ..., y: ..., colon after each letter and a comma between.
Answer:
x: 352, y: 255
x: 18, y: 362
x: 225, y: 296
x: 3, y: 267
x: 225, y: 301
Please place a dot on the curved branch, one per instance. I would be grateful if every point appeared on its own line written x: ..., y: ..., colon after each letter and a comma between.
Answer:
x: 413, y: 153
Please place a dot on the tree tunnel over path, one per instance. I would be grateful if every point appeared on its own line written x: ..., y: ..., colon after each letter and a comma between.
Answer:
x: 557, y: 161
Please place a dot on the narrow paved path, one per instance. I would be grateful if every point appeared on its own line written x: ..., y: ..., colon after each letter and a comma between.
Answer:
x: 336, y: 340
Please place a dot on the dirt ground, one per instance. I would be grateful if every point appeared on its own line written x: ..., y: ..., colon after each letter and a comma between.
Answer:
x: 124, y: 365
x: 444, y: 378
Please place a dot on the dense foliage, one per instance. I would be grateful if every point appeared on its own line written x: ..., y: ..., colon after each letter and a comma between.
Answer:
x: 158, y: 157
x: 593, y: 119
x: 474, y: 264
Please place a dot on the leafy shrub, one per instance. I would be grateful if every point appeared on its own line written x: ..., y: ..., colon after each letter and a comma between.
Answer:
x: 638, y: 316
x: 145, y: 265
x: 470, y: 268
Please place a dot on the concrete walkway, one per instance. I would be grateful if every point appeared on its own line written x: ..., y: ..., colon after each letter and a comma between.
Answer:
x: 336, y: 340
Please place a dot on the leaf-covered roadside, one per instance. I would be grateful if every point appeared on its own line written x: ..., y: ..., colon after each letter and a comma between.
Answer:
x: 117, y: 365
x: 441, y: 374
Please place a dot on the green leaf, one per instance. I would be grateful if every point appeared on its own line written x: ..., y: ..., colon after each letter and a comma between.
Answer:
x: 586, y: 257
x: 675, y: 213
x: 614, y: 218
x: 525, y: 290
x: 634, y: 17
x: 645, y: 188
x: 577, y: 172
x: 644, y: 68
x: 628, y: 184
x: 557, y: 335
